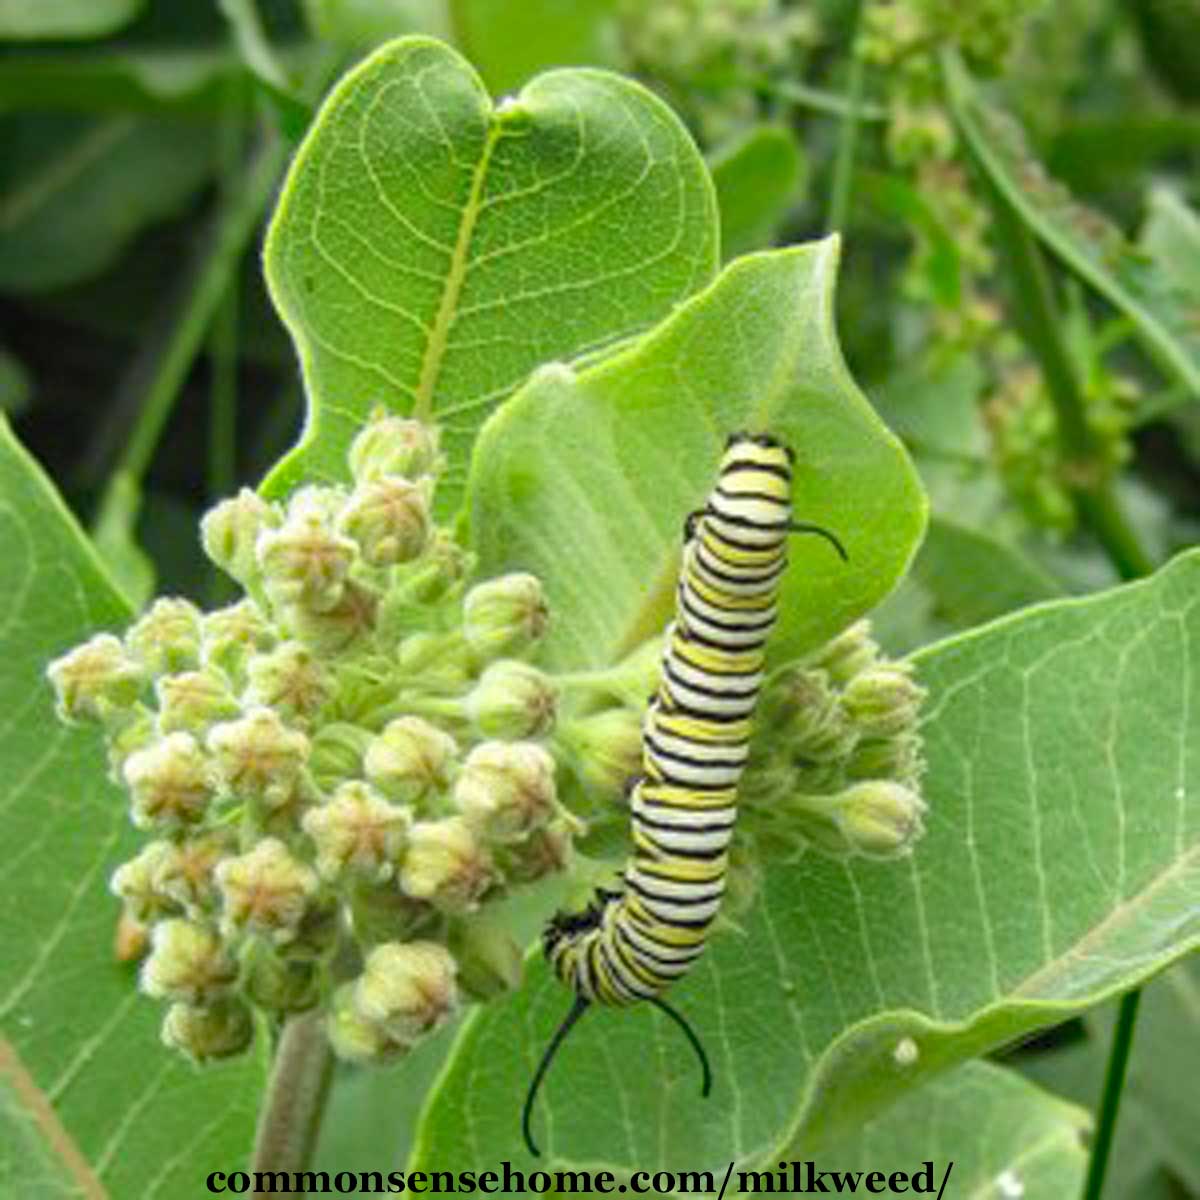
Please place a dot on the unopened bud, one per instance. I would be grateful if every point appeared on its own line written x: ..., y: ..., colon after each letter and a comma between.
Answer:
x: 897, y: 758
x: 188, y: 963
x: 353, y: 1038
x: 390, y: 519
x: 394, y: 446
x: 446, y: 864
x: 506, y: 789
x: 305, y: 561
x: 607, y: 749
x: 879, y: 818
x: 504, y: 616
x: 807, y: 713
x: 167, y: 637
x: 230, y: 531
x: 289, y: 680
x: 884, y: 700
x: 132, y: 730
x: 187, y: 873
x: 488, y: 957
x: 229, y: 636
x: 257, y: 757
x: 210, y: 1031
x: 137, y: 885
x: 337, y: 753
x: 407, y: 989
x: 170, y: 782
x: 358, y: 832
x: 543, y: 852
x: 512, y: 700
x: 94, y: 679
x: 266, y: 890
x: 852, y: 651
x: 410, y: 759
x: 335, y: 630
x: 192, y: 701
x: 278, y: 982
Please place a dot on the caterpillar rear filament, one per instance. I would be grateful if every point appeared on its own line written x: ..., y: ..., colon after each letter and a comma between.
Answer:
x: 631, y: 944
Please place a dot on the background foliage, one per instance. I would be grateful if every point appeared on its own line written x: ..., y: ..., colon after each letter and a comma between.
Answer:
x: 1016, y: 297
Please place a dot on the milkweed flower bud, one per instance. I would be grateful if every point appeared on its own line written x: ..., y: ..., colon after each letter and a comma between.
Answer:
x: 136, y: 883
x: 188, y: 963
x: 407, y: 989
x: 289, y: 680
x: 607, y: 748
x: 167, y: 637
x: 351, y: 1036
x: 280, y: 980
x: 443, y: 565
x: 335, y: 629
x: 446, y: 864
x: 125, y: 733
x: 258, y: 757
x: 170, y: 782
x: 487, y: 955
x: 884, y: 700
x: 192, y: 701
x: 266, y: 890
x: 357, y: 832
x: 512, y: 700
x: 230, y: 530
x: 506, y: 789
x: 305, y: 561
x: 208, y: 1032
x: 186, y: 873
x: 543, y: 852
x: 390, y: 519
x: 229, y: 636
x: 337, y: 753
x: 897, y: 758
x: 880, y: 818
x: 93, y: 680
x: 504, y: 616
x: 394, y: 446
x: 410, y: 759
x: 804, y: 708
x: 852, y: 651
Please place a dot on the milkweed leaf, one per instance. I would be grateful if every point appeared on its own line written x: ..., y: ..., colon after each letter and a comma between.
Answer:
x: 1060, y: 868
x: 429, y: 250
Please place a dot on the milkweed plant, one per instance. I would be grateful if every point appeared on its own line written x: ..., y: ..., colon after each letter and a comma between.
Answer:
x: 288, y: 839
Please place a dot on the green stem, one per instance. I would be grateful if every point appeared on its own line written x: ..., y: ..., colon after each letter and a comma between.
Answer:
x: 1114, y: 1082
x: 296, y: 1095
x: 818, y: 100
x: 843, y: 165
x: 235, y: 225
x: 1036, y: 314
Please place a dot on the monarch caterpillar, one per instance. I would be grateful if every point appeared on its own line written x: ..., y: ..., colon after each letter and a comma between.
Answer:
x: 631, y: 944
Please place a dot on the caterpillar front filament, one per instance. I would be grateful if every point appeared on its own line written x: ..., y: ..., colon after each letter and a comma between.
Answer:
x: 631, y: 944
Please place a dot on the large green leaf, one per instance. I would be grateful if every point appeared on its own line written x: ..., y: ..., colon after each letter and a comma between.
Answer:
x: 1085, y: 242
x: 429, y: 251
x: 585, y: 477
x: 74, y: 190
x: 1003, y: 1136
x: 1060, y: 867
x: 89, y: 1099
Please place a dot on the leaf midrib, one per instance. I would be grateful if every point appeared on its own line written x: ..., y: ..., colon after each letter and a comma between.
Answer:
x: 435, y: 347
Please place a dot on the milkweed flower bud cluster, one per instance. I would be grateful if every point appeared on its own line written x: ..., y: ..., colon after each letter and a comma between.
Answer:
x: 340, y: 774
x: 836, y: 762
x: 740, y: 42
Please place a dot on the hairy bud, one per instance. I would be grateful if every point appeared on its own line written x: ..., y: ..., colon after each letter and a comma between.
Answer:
x: 512, y: 700
x: 506, y: 789
x: 170, y: 783
x: 94, y: 679
x: 410, y: 759
x: 504, y: 616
